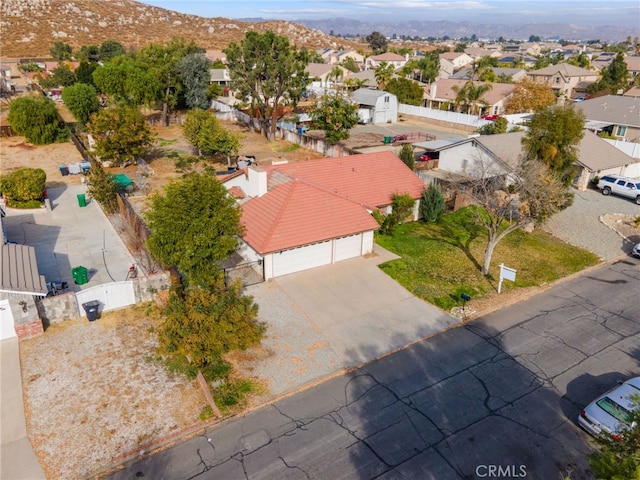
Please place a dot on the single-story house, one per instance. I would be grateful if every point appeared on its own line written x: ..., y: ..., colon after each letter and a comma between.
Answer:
x: 20, y: 283
x: 222, y: 77
x: 320, y: 74
x: 458, y: 59
x: 618, y: 115
x: 304, y: 215
x: 596, y: 156
x: 514, y: 74
x: 376, y: 106
x: 442, y: 94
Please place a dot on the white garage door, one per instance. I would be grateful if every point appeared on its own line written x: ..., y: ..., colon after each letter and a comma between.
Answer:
x: 347, y: 247
x: 7, y: 329
x: 298, y: 259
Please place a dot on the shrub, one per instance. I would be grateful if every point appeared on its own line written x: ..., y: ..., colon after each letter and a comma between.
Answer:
x: 432, y: 205
x: 24, y: 186
x: 36, y: 119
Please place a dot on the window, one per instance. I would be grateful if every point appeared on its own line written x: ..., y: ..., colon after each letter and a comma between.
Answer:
x: 386, y: 99
x: 621, y: 130
x: 613, y: 409
x: 622, y: 183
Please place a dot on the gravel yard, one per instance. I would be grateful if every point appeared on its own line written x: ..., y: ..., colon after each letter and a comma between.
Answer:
x: 92, y: 393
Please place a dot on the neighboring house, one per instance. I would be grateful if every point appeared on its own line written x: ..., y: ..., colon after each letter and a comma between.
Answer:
x: 368, y: 78
x: 216, y: 55
x: 376, y: 106
x: 598, y: 157
x: 603, y: 60
x: 51, y: 66
x: 457, y: 157
x: 632, y: 92
x: 221, y: 77
x: 319, y: 73
x: 441, y: 95
x: 333, y: 57
x: 458, y: 59
x: 617, y: 115
x: 478, y: 52
x: 514, y: 74
x: 304, y: 215
x: 563, y: 78
x: 447, y: 68
x: 398, y: 61
x: 633, y: 65
x: 20, y: 283
x: 511, y: 59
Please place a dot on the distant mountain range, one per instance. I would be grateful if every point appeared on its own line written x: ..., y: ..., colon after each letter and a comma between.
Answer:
x: 423, y: 28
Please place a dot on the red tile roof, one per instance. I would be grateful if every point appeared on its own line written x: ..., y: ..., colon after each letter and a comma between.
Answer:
x: 316, y: 200
x: 370, y: 179
x: 296, y: 213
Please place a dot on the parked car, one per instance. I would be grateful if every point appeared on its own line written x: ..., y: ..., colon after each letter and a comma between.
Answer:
x: 424, y: 157
x: 490, y: 118
x: 623, y: 186
x: 636, y: 250
x: 610, y: 412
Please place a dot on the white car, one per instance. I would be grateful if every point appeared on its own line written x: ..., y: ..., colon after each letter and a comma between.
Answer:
x: 610, y: 412
x: 623, y: 186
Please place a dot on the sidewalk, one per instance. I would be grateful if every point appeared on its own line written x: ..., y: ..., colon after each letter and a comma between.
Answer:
x: 17, y: 459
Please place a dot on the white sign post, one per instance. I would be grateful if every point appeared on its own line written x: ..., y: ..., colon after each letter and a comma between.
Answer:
x: 508, y: 273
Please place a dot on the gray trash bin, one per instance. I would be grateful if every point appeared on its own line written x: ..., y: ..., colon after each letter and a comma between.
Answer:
x: 91, y: 309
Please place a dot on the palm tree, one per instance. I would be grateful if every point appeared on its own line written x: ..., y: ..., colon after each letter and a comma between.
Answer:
x: 335, y: 74
x: 384, y: 74
x: 354, y: 83
x: 470, y: 94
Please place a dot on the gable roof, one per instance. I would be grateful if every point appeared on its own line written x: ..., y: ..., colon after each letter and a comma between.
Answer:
x: 444, y: 90
x: 370, y: 179
x: 597, y: 154
x: 19, y: 270
x: 318, y: 69
x: 312, y: 201
x: 612, y: 109
x: 368, y: 96
x: 388, y: 57
x: 565, y: 70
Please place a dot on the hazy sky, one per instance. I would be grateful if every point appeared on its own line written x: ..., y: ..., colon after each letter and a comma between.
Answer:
x: 581, y: 12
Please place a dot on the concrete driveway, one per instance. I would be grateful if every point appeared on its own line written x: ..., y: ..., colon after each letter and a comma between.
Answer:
x: 68, y: 236
x: 360, y: 311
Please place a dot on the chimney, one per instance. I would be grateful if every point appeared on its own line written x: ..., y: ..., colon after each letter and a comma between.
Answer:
x: 257, y: 182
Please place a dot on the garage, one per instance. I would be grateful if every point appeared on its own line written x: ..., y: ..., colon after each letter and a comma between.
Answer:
x: 347, y: 247
x: 301, y: 258
x: 7, y: 328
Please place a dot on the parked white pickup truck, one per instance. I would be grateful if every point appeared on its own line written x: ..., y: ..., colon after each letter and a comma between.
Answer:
x: 623, y: 186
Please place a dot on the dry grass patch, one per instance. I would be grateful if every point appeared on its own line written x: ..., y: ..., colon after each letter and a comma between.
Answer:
x: 91, y: 393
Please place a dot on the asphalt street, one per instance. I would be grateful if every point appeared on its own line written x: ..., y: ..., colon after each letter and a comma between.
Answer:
x: 499, y: 394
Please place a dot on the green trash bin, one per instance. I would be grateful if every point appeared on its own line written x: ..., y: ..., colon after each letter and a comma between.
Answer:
x: 80, y: 275
x: 387, y: 140
x: 82, y: 200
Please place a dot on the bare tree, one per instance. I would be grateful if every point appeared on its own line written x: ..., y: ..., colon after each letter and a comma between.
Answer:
x: 512, y: 198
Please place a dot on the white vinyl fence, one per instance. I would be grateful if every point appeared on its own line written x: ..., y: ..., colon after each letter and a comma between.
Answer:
x: 110, y: 295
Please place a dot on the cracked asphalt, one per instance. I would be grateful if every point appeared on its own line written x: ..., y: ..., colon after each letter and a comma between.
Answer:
x: 499, y: 392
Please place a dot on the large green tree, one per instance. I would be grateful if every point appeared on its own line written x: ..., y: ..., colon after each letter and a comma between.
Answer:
x: 125, y: 80
x: 194, y: 71
x: 110, y: 49
x: 161, y: 62
x: 553, y: 137
x: 407, y: 91
x: 377, y: 41
x: 121, y: 134
x: 269, y: 74
x: 84, y: 72
x: 336, y: 115
x: 61, y: 51
x: 36, y: 118
x: 204, y: 324
x: 61, y: 76
x: 81, y: 100
x: 194, y: 226
x: 205, y: 133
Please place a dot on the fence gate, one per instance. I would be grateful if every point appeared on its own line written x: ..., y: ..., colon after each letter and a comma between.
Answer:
x: 248, y: 273
x: 110, y: 295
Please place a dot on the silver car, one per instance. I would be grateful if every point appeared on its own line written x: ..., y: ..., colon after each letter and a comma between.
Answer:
x: 610, y: 413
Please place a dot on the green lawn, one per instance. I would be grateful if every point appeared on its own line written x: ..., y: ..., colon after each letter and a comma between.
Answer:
x: 443, y: 260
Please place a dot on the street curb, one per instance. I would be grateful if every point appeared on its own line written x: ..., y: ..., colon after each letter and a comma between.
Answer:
x: 201, y: 427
